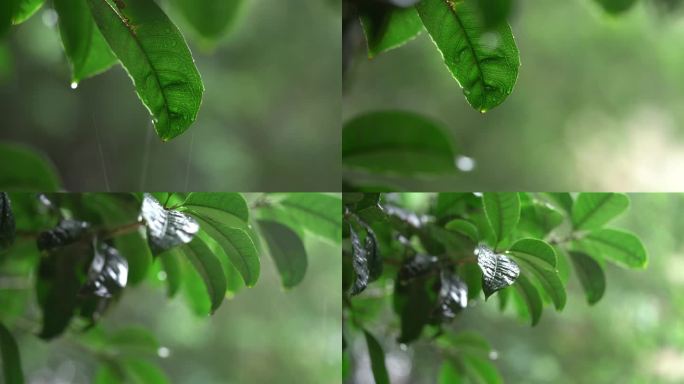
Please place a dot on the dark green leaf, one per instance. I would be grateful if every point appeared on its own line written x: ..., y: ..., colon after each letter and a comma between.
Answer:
x: 377, y: 357
x: 316, y: 213
x: 464, y: 227
x: 397, y: 142
x: 531, y: 297
x: 25, y: 9
x: 503, y: 212
x: 494, y: 13
x: 451, y: 203
x: 592, y: 210
x: 414, y: 302
x: 211, y: 19
x: 484, y: 62
x: 472, y: 275
x: 590, y: 274
x: 66, y: 232
x: 166, y: 228
x: 7, y: 9
x: 287, y: 250
x: 157, y: 59
x: 387, y: 27
x: 171, y: 263
x: 237, y: 245
x: 7, y: 223
x: 616, y: 6
x: 24, y: 170
x: 209, y: 268
x: 622, y: 248
x: 498, y: 271
x: 227, y: 208
x: 11, y: 362
x: 83, y: 43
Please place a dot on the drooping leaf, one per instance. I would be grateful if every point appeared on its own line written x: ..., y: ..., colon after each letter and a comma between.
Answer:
x: 227, y: 208
x: 620, y: 247
x: 141, y: 371
x: 498, y: 271
x: 414, y: 302
x: 503, y: 212
x: 365, y: 258
x: 25, y: 9
x: 7, y: 223
x: 157, y: 59
x: 22, y: 169
x: 106, y: 374
x: 171, y: 262
x: 287, y: 250
x: 448, y: 374
x: 538, y: 259
x: 11, y: 361
x: 531, y: 297
x: 316, y: 213
x: 66, y: 232
x: 397, y: 142
x: 481, y: 370
x: 453, y: 296
x: 464, y: 227
x: 84, y: 45
x: 592, y: 210
x: 209, y: 268
x: 166, y: 228
x: 535, y: 251
x: 108, y: 272
x: 590, y: 275
x: 377, y: 358
x: 472, y: 275
x: 484, y: 61
x: 616, y: 7
x: 211, y: 19
x: 387, y: 27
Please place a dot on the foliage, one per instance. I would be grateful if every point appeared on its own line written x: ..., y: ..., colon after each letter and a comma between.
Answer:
x: 438, y: 252
x: 96, y: 34
x: 85, y: 250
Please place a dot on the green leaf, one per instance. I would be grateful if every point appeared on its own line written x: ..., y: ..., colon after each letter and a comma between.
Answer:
x: 166, y: 228
x: 531, y: 297
x: 209, y: 268
x: 481, y: 370
x: 562, y: 200
x: 397, y: 142
x: 107, y: 374
x: 503, y: 212
x: 211, y: 19
x: 484, y: 62
x: 237, y: 245
x: 538, y: 259
x: 194, y: 289
x: 448, y: 374
x: 171, y: 262
x: 538, y: 219
x: 316, y: 213
x: 7, y: 9
x: 590, y: 275
x: 7, y: 223
x: 134, y: 338
x: 616, y: 7
x: 464, y: 227
x: 620, y: 247
x: 25, y: 9
x: 498, y: 271
x: 534, y: 251
x: 387, y: 27
x: 593, y: 210
x: 377, y: 357
x: 24, y: 170
x: 11, y: 362
x: 157, y: 59
x: 494, y: 12
x: 83, y: 43
x: 365, y: 257
x: 287, y: 250
x: 228, y: 208
x: 143, y: 372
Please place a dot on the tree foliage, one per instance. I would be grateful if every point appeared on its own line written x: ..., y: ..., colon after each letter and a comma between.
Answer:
x: 440, y: 252
x: 86, y: 250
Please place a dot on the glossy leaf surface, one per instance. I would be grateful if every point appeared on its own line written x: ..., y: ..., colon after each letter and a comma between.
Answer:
x: 498, y: 271
x: 166, y: 228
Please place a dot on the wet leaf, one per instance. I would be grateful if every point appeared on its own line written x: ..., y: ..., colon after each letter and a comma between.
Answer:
x: 590, y: 275
x: 498, y: 271
x: 366, y: 259
x: 397, y: 142
x: 83, y: 43
x: 484, y: 61
x: 11, y: 361
x: 453, y: 296
x: 22, y: 169
x: 387, y: 27
x: 108, y: 273
x: 593, y: 210
x: 25, y: 9
x: 7, y: 223
x: 377, y: 357
x: 503, y: 212
x: 418, y: 266
x: 227, y: 208
x: 209, y: 268
x: 166, y: 228
x: 157, y: 59
x: 287, y: 250
x: 620, y: 247
x: 210, y: 18
x: 67, y: 232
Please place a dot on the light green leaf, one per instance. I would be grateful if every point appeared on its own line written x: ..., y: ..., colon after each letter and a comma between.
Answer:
x: 316, y: 213
x: 464, y: 227
x: 11, y: 362
x: 619, y: 247
x: 171, y: 262
x: 22, y: 169
x: 134, y: 338
x: 143, y: 372
x: 534, y: 251
x: 503, y: 212
x: 592, y: 210
x: 590, y: 275
x: 377, y: 357
x: 157, y: 59
x: 83, y: 43
x: 547, y: 277
x: 397, y: 142
x: 481, y: 370
x: 211, y: 19
x: 237, y: 245
x: 287, y: 250
x: 209, y: 268
x: 227, y: 208
x: 484, y: 62
x: 448, y: 374
x: 387, y: 27
x: 25, y: 9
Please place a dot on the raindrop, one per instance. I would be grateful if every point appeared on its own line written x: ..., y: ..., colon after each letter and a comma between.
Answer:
x: 163, y: 352
x: 49, y: 17
x: 465, y: 163
x: 161, y: 275
x: 403, y: 347
x: 493, y: 355
x: 74, y: 85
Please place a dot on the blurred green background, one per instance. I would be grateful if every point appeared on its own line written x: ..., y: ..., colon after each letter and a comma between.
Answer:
x: 269, y: 119
x: 633, y: 335
x: 597, y: 105
x: 262, y: 335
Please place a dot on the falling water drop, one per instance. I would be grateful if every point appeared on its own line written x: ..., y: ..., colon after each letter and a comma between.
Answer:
x: 161, y: 275
x: 493, y: 355
x: 465, y: 163
x: 74, y: 85
x: 163, y: 352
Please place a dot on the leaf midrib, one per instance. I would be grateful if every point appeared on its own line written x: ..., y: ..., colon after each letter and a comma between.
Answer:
x: 586, y: 217
x: 470, y: 45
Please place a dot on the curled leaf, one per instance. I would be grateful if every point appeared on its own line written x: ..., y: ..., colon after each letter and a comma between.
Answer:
x: 166, y: 228
x: 498, y: 271
x: 66, y: 232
